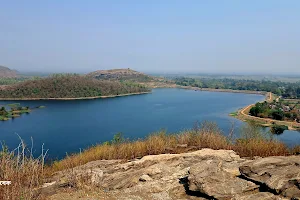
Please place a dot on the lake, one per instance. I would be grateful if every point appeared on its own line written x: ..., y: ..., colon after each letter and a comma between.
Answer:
x: 68, y: 126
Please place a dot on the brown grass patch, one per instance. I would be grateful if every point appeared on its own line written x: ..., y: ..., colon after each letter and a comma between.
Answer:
x: 259, y: 147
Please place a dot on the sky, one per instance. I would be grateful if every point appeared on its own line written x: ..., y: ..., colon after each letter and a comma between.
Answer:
x: 158, y: 36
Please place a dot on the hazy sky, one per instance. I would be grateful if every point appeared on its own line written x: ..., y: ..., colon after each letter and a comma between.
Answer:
x: 151, y: 35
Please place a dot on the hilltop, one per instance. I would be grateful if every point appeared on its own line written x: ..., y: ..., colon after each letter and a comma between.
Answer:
x: 69, y: 86
x: 131, y: 75
x: 5, y: 72
x: 120, y: 74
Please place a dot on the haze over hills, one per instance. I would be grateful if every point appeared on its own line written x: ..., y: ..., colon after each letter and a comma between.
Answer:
x: 5, y: 72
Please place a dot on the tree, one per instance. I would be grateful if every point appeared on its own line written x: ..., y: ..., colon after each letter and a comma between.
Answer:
x: 257, y: 109
x: 277, y: 114
x: 118, y: 138
x: 278, y: 129
x: 3, y: 111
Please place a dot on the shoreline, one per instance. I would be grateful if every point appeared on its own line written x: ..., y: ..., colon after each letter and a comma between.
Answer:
x: 211, y: 89
x: 224, y: 90
x: 139, y: 93
x: 267, y: 122
x: 76, y: 98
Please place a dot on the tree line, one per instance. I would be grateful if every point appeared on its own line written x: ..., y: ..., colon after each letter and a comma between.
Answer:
x: 284, y: 89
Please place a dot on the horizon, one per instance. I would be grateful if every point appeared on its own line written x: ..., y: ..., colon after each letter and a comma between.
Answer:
x: 255, y: 74
x: 233, y: 38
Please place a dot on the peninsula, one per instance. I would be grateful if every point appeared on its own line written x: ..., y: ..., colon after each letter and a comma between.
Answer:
x: 274, y: 112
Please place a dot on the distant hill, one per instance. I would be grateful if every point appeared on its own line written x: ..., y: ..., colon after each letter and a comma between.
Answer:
x: 132, y: 76
x: 5, y: 72
x: 69, y: 86
x: 120, y: 74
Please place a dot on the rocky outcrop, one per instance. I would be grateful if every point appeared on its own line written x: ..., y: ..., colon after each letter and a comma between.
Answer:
x: 218, y: 179
x: 280, y: 174
x: 203, y: 174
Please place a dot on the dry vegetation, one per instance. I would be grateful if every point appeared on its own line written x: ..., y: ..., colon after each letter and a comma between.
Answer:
x: 207, y: 135
x: 27, y: 173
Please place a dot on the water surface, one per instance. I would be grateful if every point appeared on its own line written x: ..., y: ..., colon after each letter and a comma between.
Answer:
x: 68, y: 126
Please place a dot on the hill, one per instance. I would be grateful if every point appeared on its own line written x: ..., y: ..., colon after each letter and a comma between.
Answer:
x: 5, y: 72
x: 131, y: 75
x: 120, y: 74
x: 69, y: 86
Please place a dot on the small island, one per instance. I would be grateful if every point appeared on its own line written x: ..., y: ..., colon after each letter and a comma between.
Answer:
x: 15, y: 111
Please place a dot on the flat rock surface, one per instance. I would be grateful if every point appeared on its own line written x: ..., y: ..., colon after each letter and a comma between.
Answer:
x: 203, y: 174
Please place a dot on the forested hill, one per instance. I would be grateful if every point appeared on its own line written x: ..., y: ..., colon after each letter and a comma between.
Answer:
x: 69, y: 86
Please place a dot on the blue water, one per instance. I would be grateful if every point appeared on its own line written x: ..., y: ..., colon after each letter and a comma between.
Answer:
x: 68, y: 126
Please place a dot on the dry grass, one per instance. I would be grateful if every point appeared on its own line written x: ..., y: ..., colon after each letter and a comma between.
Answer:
x: 253, y: 143
x: 24, y: 172
x: 259, y: 147
x: 156, y: 143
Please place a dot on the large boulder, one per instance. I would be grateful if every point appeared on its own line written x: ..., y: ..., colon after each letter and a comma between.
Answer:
x: 218, y: 179
x: 280, y: 174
